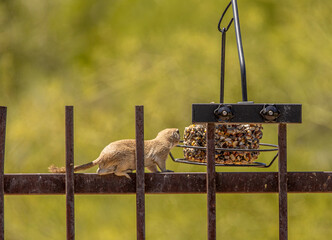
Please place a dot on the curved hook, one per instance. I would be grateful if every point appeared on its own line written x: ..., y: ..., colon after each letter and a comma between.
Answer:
x: 222, y: 16
x: 239, y: 47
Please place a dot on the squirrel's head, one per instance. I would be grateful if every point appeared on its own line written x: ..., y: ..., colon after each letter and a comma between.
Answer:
x: 170, y: 134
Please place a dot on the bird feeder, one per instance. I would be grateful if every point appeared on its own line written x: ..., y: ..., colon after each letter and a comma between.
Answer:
x: 238, y: 126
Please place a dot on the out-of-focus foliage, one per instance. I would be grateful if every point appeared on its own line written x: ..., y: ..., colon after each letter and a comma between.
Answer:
x: 105, y: 57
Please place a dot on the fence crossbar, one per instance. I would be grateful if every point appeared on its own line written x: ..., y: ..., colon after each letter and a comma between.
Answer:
x: 167, y: 183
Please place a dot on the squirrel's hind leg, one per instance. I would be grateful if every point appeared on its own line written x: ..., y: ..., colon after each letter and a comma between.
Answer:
x: 105, y: 171
x: 153, y: 169
x: 123, y: 173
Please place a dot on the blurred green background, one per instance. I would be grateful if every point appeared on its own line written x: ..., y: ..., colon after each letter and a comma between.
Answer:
x: 105, y: 57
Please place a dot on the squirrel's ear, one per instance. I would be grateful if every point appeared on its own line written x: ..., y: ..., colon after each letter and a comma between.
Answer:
x: 176, y: 134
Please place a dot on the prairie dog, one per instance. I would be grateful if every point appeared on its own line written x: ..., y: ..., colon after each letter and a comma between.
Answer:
x: 119, y: 157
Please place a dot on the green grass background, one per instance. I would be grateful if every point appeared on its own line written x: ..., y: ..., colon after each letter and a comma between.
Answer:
x: 105, y: 57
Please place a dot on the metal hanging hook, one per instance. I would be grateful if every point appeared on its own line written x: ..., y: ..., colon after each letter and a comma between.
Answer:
x: 239, y: 48
x: 223, y: 52
x: 221, y: 18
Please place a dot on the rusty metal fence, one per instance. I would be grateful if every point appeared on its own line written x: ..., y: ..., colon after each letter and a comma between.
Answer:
x: 210, y: 183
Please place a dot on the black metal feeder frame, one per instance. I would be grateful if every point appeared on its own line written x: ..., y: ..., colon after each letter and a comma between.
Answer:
x: 245, y: 112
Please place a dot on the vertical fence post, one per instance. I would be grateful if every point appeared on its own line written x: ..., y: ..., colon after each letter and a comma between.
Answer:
x: 70, y: 211
x: 211, y: 182
x: 3, y: 116
x: 282, y: 181
x: 140, y: 187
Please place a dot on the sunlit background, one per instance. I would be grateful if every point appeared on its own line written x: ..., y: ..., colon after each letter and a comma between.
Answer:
x: 105, y: 57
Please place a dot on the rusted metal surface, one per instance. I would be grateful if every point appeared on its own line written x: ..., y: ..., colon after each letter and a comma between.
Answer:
x: 140, y: 188
x: 211, y: 182
x: 70, y: 216
x: 3, y: 116
x: 282, y: 182
x: 309, y: 182
x: 168, y: 183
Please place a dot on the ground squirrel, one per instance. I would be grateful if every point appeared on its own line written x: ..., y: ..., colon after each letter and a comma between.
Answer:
x: 119, y: 157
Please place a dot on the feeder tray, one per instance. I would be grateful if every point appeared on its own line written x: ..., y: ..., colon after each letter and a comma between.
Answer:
x: 253, y: 164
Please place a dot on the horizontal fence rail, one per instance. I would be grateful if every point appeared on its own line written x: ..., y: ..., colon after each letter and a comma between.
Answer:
x: 168, y: 183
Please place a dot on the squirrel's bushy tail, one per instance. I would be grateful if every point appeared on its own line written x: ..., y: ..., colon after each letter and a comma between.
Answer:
x: 55, y: 169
